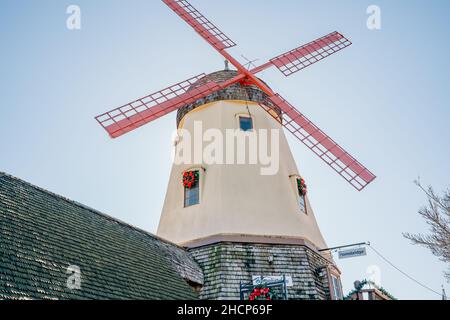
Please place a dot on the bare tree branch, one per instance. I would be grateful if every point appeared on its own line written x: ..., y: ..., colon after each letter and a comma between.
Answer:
x: 437, y: 215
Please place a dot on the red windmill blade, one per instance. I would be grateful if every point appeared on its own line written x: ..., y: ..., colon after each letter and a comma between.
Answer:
x: 137, y: 113
x: 212, y: 35
x: 310, y: 53
x: 149, y: 108
x: 201, y: 24
x: 322, y: 145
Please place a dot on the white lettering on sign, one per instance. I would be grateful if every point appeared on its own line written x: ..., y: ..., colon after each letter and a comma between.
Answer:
x: 350, y: 253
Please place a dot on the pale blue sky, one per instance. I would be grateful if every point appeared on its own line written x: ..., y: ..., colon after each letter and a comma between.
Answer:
x: 385, y: 99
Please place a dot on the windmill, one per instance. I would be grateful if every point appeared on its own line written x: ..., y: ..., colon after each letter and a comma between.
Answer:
x: 153, y: 106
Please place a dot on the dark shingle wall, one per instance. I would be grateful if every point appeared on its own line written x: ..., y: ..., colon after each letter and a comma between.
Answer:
x: 226, y: 265
x: 42, y: 234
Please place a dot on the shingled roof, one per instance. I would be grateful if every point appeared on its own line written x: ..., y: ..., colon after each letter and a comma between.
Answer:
x: 42, y: 234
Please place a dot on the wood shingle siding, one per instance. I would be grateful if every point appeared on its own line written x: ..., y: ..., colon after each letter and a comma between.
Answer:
x: 42, y: 234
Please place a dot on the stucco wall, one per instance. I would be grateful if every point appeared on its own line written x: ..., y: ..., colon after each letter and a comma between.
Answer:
x: 237, y: 199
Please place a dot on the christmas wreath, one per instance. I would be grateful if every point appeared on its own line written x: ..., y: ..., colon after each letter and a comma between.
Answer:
x: 190, y: 179
x: 302, y: 189
x: 262, y: 293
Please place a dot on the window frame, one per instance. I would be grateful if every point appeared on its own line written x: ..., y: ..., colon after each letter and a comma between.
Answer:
x: 336, y: 285
x: 301, y: 201
x: 198, y: 187
x: 188, y: 196
x: 335, y: 276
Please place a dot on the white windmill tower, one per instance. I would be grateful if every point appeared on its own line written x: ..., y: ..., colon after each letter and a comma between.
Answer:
x: 243, y: 220
x: 228, y: 199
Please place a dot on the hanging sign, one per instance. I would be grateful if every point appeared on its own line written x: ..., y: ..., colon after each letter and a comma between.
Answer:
x: 257, y: 280
x: 351, y: 253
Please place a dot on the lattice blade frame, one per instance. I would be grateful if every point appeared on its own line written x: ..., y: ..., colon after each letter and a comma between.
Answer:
x: 201, y: 24
x: 310, y: 53
x: 146, y: 109
x: 321, y: 144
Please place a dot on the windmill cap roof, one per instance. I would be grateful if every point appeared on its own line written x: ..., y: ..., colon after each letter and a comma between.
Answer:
x: 236, y: 91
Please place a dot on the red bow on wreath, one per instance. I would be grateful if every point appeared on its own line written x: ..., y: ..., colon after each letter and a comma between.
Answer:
x: 302, y: 188
x: 190, y: 179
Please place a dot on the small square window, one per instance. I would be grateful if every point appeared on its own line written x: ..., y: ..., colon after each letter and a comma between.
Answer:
x: 246, y: 123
